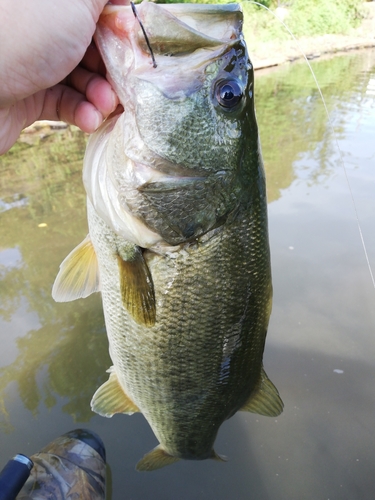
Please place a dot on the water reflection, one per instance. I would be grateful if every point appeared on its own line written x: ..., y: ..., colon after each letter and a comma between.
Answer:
x: 62, y: 343
x: 53, y: 356
x: 293, y: 122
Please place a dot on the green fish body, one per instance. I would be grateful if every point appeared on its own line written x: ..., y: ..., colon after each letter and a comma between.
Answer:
x: 178, y: 238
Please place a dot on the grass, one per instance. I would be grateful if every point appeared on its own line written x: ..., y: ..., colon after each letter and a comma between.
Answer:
x: 303, y: 17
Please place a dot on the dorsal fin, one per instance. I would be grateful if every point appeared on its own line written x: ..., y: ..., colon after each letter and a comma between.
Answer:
x: 110, y: 398
x: 78, y: 276
x: 265, y: 399
x: 155, y: 459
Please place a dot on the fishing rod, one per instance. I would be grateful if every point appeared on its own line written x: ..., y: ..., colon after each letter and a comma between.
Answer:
x: 14, y: 475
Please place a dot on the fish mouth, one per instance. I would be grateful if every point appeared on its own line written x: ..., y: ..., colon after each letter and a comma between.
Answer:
x: 184, y: 38
x: 175, y: 29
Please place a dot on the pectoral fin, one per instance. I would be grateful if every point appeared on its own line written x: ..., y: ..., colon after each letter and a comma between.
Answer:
x: 137, y: 290
x: 110, y: 398
x: 78, y: 276
x: 155, y: 459
x: 265, y: 399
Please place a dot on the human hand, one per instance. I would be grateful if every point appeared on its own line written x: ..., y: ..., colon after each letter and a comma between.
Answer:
x: 49, y: 69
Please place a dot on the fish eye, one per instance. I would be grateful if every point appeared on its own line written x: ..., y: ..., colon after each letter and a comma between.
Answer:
x: 228, y: 93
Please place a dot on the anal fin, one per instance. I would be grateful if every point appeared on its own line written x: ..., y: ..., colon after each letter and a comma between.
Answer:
x: 137, y: 290
x: 265, y: 399
x: 155, y: 459
x: 110, y: 398
x: 78, y: 276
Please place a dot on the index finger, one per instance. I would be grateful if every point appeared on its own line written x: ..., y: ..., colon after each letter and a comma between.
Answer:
x: 92, y: 60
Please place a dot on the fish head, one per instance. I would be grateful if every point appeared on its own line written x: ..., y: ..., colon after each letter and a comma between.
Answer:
x: 183, y: 154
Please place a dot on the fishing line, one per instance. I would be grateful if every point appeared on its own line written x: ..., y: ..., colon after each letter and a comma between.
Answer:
x: 144, y: 34
x: 342, y: 162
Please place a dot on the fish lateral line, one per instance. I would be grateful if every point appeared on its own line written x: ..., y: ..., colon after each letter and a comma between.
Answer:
x: 342, y: 162
x: 144, y: 34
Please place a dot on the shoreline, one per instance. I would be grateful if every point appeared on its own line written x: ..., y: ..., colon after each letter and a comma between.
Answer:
x: 297, y: 50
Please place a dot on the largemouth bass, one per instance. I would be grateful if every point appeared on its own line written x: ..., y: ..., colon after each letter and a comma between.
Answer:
x: 178, y: 238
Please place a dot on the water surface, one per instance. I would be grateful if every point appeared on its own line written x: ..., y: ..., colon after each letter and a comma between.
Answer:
x: 321, y: 342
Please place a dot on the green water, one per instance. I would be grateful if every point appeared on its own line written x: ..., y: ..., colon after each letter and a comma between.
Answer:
x: 321, y: 342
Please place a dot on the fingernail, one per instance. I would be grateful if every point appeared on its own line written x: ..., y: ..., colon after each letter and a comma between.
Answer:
x: 115, y: 101
x: 98, y: 120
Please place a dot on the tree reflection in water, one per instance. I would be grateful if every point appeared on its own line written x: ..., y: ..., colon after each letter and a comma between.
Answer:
x: 70, y: 346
